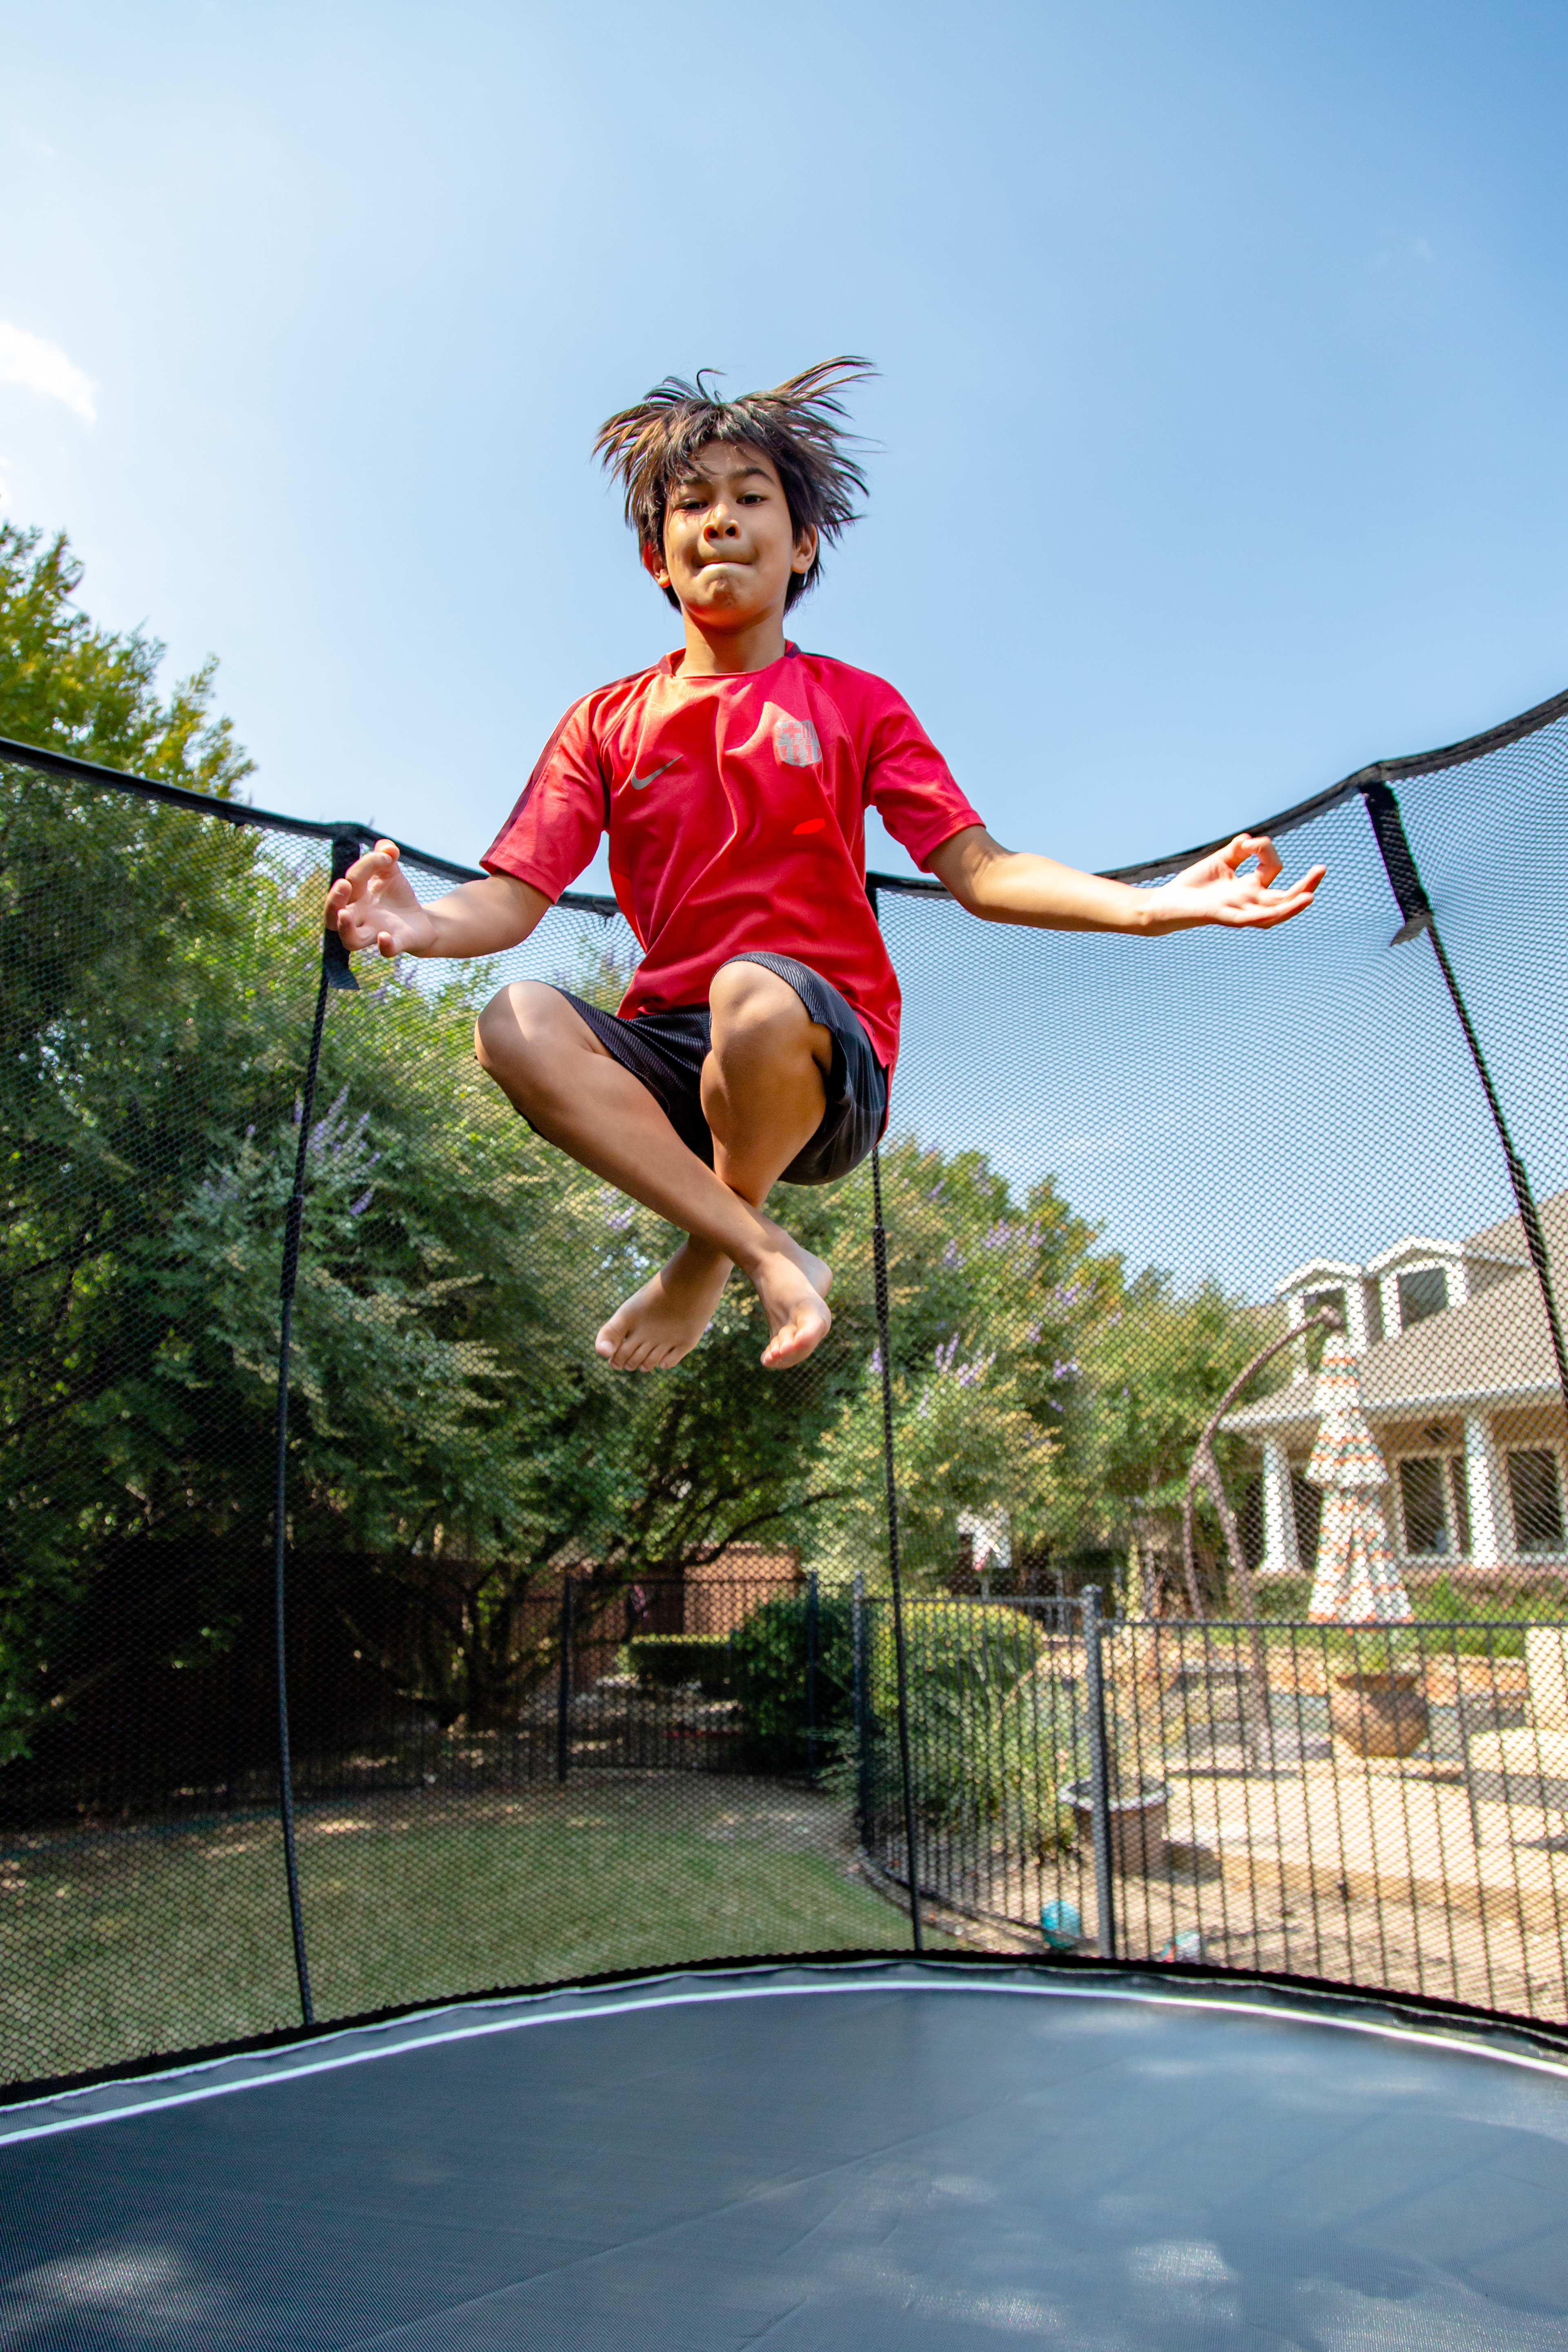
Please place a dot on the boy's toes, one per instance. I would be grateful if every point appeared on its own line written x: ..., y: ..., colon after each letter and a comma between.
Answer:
x: 620, y: 1349
x: 630, y: 1351
x: 661, y: 1323
x: 794, y: 1339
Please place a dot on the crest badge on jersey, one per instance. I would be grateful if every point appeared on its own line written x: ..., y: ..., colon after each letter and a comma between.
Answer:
x: 795, y: 743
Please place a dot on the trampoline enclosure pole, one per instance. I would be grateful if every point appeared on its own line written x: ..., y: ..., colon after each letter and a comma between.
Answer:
x: 1098, y: 1770
x: 1410, y: 896
x: 901, y: 1660
x: 336, y: 972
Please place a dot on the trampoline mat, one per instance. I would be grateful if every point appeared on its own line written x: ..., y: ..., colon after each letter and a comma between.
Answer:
x: 805, y: 2160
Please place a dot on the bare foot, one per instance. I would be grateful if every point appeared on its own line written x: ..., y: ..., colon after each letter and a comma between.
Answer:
x: 665, y: 1319
x: 793, y: 1284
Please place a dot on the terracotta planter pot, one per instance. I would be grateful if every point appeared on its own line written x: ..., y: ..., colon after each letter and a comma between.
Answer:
x: 1379, y: 1715
x: 1137, y: 1824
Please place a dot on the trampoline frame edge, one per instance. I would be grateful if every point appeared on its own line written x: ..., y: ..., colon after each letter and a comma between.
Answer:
x: 1267, y: 2001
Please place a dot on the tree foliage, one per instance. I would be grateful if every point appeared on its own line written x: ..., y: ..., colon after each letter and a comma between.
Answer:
x: 66, y: 685
x: 986, y: 1300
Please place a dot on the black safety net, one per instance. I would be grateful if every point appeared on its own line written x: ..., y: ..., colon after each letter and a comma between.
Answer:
x: 1032, y: 1613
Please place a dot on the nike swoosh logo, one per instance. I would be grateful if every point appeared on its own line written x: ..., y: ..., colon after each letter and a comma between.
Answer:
x: 641, y: 783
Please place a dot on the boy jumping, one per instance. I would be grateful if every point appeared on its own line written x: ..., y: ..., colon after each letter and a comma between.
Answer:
x: 758, y: 1037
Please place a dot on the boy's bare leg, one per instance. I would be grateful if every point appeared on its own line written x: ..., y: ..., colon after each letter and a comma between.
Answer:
x: 762, y: 1096
x: 554, y: 1070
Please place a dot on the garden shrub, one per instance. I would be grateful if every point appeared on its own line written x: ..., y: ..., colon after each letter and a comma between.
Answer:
x: 991, y: 1730
x: 768, y: 1662
x: 668, y: 1661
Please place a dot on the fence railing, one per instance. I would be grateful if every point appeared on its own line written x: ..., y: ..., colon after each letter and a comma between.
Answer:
x: 582, y: 1671
x: 1382, y: 1806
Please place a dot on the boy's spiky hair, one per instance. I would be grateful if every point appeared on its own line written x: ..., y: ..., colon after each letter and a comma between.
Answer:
x: 797, y: 424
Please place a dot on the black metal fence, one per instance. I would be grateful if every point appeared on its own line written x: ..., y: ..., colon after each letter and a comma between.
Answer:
x: 1383, y: 1807
x: 578, y: 1673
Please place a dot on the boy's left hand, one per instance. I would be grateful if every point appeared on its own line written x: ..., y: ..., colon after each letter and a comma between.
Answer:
x: 1215, y: 891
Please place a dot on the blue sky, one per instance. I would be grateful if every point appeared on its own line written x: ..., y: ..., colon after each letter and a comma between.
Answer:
x: 1220, y: 432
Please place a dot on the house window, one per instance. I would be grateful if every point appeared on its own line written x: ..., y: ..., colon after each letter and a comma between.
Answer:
x: 1537, y: 1497
x: 1307, y: 1504
x: 1434, y: 1506
x: 1422, y: 1294
x: 1424, y: 1505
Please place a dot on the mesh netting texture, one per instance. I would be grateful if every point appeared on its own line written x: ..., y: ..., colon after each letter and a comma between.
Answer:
x: 588, y: 1672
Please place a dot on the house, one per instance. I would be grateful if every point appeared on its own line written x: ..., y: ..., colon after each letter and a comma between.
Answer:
x: 1460, y: 1385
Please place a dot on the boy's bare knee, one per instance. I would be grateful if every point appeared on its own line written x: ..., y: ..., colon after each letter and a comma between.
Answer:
x: 747, y: 999
x: 496, y: 1026
x: 505, y: 1030
x: 760, y: 1022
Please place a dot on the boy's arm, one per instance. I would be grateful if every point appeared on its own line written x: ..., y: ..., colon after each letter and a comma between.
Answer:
x: 1012, y: 886
x: 375, y: 906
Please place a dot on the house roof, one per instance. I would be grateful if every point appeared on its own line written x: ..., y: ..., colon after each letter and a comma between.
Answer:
x: 1494, y: 1349
x: 1318, y: 1269
x: 1417, y: 1245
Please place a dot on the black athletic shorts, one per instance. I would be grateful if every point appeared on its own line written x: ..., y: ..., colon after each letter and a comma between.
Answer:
x: 667, y: 1051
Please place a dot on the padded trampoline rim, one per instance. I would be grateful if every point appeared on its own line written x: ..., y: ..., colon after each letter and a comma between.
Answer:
x: 1489, y: 2028
x: 189, y: 2083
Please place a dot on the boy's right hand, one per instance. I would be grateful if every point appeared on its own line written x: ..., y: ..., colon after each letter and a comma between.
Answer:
x: 375, y: 906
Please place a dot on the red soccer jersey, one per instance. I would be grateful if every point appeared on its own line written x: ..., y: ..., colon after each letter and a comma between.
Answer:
x: 736, y: 811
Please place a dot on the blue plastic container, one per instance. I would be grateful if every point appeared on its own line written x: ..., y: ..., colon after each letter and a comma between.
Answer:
x: 1061, y: 1926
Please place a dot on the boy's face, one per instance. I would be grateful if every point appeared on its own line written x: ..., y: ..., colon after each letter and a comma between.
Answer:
x: 728, y: 545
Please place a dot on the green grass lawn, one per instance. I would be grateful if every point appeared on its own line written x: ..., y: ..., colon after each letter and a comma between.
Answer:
x: 119, y: 1945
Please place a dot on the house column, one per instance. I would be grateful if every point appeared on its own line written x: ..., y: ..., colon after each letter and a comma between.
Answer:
x: 1281, y: 1556
x: 1489, y: 1509
x: 1356, y: 1332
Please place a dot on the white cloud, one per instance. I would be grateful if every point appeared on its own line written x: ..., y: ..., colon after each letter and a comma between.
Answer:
x: 44, y: 368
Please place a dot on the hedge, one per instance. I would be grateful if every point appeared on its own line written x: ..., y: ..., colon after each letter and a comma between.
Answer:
x: 671, y: 1660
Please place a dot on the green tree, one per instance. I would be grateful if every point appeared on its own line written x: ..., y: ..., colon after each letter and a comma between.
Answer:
x: 1153, y: 1369
x: 453, y: 1439
x: 125, y: 1006
x: 987, y: 1299
x: 449, y: 1434
x: 65, y: 686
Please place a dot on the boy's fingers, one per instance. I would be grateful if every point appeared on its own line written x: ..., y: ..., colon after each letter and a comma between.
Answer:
x: 1294, y: 894
x: 1263, y: 907
x: 1279, y: 907
x: 374, y: 864
x: 1305, y: 887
